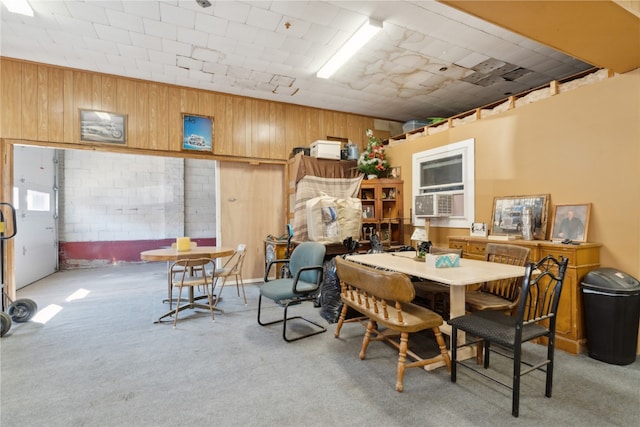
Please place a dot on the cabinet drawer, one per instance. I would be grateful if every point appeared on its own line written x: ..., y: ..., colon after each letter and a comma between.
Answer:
x: 478, y: 249
x: 458, y: 245
x: 569, y: 253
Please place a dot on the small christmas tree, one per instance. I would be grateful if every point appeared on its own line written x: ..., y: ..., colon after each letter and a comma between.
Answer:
x: 373, y: 160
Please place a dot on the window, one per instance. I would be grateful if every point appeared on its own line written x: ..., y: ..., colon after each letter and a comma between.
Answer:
x: 443, y: 185
x: 38, y: 201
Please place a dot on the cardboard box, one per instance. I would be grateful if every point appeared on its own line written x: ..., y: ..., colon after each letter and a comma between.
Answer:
x: 325, y: 149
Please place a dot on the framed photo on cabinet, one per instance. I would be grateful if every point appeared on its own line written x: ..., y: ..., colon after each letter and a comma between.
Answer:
x: 506, y: 218
x: 368, y: 211
x: 103, y: 127
x: 197, y: 133
x: 571, y: 222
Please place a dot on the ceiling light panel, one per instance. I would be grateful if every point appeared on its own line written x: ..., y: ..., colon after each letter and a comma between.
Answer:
x: 359, y: 39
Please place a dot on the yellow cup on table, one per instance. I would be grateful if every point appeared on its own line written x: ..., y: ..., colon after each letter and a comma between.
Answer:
x: 183, y: 244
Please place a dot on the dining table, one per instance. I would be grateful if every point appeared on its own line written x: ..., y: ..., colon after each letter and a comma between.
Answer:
x: 469, y: 272
x: 171, y: 254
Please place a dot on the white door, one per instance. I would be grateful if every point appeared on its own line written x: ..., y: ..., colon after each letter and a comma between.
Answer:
x: 36, y: 248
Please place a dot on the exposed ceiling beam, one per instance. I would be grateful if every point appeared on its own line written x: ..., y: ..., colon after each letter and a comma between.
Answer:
x: 601, y: 33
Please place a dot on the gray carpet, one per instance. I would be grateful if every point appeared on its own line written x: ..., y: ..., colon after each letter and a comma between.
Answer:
x: 101, y: 361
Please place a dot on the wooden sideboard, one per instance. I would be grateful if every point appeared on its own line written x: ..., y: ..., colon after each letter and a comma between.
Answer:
x: 570, y: 331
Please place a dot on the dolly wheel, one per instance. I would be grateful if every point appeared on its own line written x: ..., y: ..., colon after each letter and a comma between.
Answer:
x: 6, y: 323
x: 22, y: 310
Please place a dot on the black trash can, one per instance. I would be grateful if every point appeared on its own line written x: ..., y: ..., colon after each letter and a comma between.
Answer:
x: 611, y: 312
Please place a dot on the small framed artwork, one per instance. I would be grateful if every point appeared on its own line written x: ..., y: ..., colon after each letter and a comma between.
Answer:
x: 506, y: 218
x: 571, y: 222
x: 394, y: 172
x: 479, y: 229
x: 197, y: 133
x: 103, y: 127
x: 367, y: 211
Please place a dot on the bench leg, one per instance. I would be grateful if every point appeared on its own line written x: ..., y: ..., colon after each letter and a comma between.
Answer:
x: 443, y: 347
x: 371, y: 326
x: 402, y: 359
x: 343, y: 315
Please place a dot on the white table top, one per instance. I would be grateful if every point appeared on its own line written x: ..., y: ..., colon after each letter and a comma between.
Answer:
x: 469, y: 272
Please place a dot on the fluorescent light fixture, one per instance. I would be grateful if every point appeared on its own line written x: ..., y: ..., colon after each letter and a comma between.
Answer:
x: 18, y: 6
x: 359, y: 39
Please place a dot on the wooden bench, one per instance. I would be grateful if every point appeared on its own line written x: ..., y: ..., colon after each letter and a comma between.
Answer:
x: 384, y: 298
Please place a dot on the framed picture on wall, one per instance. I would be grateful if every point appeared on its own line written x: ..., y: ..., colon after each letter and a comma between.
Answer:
x: 103, y: 127
x: 394, y: 172
x: 571, y: 222
x: 506, y: 218
x: 197, y: 133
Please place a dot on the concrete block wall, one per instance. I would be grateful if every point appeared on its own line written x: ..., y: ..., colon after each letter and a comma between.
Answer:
x: 199, y: 198
x: 113, y: 205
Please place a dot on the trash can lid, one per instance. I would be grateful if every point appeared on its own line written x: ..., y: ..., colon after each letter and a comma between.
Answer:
x: 611, y: 280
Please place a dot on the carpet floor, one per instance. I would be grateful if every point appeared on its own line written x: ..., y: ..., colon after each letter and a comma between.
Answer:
x: 100, y: 360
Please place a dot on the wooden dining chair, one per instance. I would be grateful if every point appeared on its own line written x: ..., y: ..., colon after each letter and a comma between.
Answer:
x: 501, y: 295
x: 433, y: 294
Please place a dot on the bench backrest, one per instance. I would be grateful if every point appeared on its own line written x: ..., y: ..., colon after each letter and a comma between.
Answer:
x: 386, y: 285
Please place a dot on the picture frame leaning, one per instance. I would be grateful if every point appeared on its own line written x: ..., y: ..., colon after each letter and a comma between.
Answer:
x: 571, y: 222
x: 506, y: 218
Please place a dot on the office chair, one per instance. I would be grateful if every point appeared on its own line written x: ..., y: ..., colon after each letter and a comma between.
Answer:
x: 306, y: 267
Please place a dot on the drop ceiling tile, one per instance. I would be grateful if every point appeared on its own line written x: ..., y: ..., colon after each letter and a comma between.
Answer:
x: 145, y: 9
x: 48, y: 7
x: 211, y: 24
x: 178, y: 48
x: 88, y: 12
x: 192, y: 37
x: 177, y: 15
x: 159, y: 57
x: 102, y: 46
x: 215, y: 68
x: 199, y: 75
x: 241, y: 32
x: 296, y: 46
x: 76, y: 26
x: 221, y: 44
x: 146, y: 41
x: 133, y: 52
x: 125, y: 21
x: 269, y: 39
x: 264, y: 19
x: 160, y: 29
x: 233, y: 11
x: 112, y: 34
x: 65, y: 38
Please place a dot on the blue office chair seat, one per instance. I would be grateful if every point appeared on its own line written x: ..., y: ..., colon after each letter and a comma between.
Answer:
x: 306, y: 267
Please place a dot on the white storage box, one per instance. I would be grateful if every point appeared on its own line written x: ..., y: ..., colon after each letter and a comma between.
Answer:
x: 442, y: 260
x: 326, y: 149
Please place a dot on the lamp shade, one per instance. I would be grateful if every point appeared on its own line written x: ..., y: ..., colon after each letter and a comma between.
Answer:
x: 419, y: 234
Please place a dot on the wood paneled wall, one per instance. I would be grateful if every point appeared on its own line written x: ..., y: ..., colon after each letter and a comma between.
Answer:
x: 41, y: 102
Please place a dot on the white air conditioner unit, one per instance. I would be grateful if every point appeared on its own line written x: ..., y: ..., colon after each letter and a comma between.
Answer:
x: 433, y: 205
